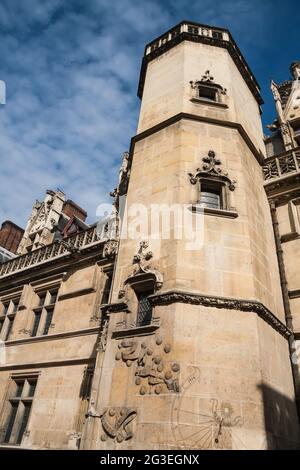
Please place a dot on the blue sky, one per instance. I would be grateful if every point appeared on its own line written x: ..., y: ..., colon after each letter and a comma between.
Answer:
x: 71, y: 68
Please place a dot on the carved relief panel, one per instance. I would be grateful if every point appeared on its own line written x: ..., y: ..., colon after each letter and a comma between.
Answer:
x: 153, y: 371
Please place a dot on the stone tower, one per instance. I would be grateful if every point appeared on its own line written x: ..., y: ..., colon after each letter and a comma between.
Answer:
x: 194, y: 350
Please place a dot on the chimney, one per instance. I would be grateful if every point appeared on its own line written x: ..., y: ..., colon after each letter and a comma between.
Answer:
x: 10, y: 236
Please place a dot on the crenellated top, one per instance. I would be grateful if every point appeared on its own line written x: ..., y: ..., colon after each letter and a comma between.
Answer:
x: 95, y: 235
x: 195, y: 32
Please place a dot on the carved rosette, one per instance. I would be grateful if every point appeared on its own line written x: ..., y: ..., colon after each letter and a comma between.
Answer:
x: 153, y: 372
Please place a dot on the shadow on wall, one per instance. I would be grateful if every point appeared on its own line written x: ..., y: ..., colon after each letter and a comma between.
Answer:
x: 281, y: 420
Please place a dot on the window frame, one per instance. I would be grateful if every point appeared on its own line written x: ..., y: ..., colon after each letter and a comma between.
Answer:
x: 47, y: 300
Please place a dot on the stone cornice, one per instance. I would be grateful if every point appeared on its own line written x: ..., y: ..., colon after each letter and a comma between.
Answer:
x: 244, y: 305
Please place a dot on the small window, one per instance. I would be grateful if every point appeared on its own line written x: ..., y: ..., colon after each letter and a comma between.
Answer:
x: 144, y: 311
x: 211, y: 196
x: 48, y: 321
x: 207, y: 93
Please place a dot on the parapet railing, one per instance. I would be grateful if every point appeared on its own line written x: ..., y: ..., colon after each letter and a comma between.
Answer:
x: 282, y: 165
x: 74, y: 243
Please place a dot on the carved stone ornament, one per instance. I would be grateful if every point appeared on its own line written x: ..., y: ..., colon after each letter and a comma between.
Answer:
x: 211, y: 168
x: 153, y: 373
x: 207, y: 79
x: 142, y: 267
x: 117, y: 423
x: 121, y: 189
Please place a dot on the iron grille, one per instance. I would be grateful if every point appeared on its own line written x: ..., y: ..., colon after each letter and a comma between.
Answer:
x: 144, y: 314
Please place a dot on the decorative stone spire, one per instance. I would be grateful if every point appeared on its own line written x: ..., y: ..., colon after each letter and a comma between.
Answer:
x: 295, y: 70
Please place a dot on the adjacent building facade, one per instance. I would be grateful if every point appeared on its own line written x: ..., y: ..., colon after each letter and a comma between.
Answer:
x: 114, y: 341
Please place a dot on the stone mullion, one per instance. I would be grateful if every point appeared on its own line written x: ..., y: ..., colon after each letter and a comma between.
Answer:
x: 42, y: 322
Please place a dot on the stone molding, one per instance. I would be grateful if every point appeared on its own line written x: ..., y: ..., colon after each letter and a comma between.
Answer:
x: 244, y: 305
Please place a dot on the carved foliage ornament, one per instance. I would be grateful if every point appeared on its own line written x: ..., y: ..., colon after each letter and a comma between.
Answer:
x: 211, y: 167
x: 117, y: 423
x: 153, y: 373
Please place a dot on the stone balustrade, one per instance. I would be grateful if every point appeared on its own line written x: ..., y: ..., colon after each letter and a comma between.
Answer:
x: 74, y: 243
